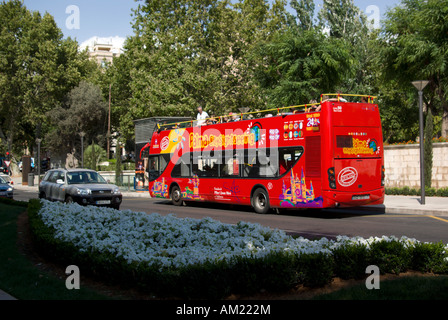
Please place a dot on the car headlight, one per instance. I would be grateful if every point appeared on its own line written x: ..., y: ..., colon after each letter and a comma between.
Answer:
x: 117, y: 191
x: 84, y: 192
x: 10, y: 188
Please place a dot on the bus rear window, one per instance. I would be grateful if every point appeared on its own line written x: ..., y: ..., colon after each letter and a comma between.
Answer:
x: 344, y: 141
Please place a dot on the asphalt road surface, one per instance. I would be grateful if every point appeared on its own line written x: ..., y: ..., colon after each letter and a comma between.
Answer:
x: 312, y: 224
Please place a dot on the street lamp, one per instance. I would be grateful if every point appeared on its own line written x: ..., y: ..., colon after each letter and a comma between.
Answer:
x: 82, y: 134
x: 420, y: 85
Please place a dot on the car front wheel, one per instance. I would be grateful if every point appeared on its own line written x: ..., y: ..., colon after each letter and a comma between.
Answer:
x: 69, y: 199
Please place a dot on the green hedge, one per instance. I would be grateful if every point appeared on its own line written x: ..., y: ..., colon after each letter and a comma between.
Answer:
x: 406, y: 191
x: 278, y: 271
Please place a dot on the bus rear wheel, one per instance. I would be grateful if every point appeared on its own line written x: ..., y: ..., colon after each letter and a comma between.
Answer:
x: 176, y: 196
x: 260, y: 201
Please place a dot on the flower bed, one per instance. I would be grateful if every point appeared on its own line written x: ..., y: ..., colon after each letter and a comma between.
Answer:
x: 202, y: 258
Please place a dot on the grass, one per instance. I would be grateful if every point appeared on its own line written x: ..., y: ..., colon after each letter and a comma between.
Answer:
x: 23, y: 280
x: 20, y: 277
x: 405, y: 288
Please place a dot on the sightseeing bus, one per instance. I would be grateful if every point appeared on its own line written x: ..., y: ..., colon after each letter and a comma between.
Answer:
x: 322, y: 155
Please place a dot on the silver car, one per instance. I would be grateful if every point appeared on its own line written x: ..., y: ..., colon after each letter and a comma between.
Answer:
x: 83, y: 186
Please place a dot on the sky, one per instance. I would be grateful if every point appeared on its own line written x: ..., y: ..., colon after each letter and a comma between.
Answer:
x: 85, y: 20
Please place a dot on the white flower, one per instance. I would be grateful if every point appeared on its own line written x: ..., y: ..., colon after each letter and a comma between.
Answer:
x: 168, y: 241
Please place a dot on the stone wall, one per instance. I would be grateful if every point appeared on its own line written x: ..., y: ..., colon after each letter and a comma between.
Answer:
x: 402, y: 164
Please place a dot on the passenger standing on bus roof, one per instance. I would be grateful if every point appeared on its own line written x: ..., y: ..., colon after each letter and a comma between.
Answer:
x: 202, y: 115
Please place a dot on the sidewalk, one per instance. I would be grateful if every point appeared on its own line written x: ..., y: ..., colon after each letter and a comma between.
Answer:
x: 436, y: 206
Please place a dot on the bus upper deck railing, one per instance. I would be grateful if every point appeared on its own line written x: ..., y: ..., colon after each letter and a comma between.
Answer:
x: 309, y: 107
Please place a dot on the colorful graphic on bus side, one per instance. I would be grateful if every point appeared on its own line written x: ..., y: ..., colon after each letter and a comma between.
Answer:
x: 298, y: 194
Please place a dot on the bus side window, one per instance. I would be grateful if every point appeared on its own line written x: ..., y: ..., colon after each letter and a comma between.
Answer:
x: 268, y: 163
x: 288, y: 157
x: 230, y: 164
x: 182, y: 167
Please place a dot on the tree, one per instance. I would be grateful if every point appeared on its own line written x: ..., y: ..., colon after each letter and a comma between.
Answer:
x: 304, y: 19
x: 93, y: 155
x: 414, y: 46
x: 191, y: 52
x: 343, y: 20
x: 299, y: 67
x: 84, y: 110
x: 346, y: 22
x: 118, y: 168
x: 37, y: 68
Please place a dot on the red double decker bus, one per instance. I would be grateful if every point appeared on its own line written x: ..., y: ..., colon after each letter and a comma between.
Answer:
x: 309, y: 156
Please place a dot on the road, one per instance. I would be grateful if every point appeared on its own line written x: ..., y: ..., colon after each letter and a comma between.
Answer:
x: 308, y: 223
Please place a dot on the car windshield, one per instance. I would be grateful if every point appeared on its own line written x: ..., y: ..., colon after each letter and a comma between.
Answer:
x: 2, y: 180
x: 84, y: 177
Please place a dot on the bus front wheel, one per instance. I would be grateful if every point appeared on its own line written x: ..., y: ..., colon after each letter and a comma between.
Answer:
x: 176, y: 196
x: 260, y: 201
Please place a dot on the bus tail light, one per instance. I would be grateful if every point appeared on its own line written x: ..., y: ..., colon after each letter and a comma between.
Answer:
x: 383, y: 176
x: 332, y: 178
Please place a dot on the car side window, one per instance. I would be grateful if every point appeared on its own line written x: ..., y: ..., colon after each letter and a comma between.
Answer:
x: 52, y: 177
x: 61, y: 176
x: 47, y: 176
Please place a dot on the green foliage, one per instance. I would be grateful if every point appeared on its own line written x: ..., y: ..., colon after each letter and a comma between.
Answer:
x: 315, y: 269
x: 37, y: 69
x: 84, y: 111
x: 350, y: 261
x: 414, y: 46
x: 189, y: 53
x: 93, y: 155
x: 429, y: 257
x: 301, y: 66
x: 406, y: 191
x: 390, y: 256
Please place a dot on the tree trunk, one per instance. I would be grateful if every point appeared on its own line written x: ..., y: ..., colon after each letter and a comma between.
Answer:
x: 444, y: 119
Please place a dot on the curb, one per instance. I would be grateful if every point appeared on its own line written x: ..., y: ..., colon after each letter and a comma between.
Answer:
x: 5, y: 297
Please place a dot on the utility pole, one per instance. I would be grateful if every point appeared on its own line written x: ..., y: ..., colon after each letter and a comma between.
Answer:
x: 82, y: 134
x: 108, y: 125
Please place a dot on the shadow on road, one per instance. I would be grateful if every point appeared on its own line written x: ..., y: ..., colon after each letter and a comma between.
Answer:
x: 333, y: 213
